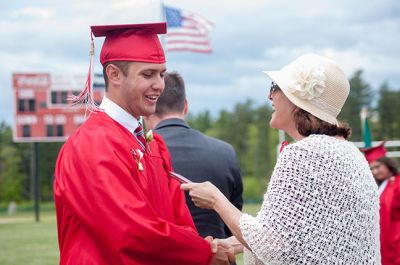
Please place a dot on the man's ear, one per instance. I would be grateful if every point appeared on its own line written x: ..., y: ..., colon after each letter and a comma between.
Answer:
x: 186, y: 107
x: 114, y: 74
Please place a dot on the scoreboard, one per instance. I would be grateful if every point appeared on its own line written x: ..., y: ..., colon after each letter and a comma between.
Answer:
x: 42, y: 111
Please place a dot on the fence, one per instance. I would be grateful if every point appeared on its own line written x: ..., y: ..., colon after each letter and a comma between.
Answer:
x: 389, y: 145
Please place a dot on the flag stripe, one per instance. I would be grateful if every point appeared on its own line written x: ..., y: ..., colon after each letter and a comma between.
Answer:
x: 181, y: 34
x: 188, y: 38
x: 188, y: 42
x: 191, y: 46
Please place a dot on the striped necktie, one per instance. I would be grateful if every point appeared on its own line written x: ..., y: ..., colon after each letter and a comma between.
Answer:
x: 139, y: 134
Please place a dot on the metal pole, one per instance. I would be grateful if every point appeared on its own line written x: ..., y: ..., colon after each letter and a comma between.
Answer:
x: 281, y: 135
x: 36, y: 180
x: 163, y: 18
x: 363, y: 117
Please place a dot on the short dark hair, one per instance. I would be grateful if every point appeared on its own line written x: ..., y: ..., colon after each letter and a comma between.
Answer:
x: 308, y: 124
x: 390, y: 164
x: 122, y: 65
x: 174, y: 95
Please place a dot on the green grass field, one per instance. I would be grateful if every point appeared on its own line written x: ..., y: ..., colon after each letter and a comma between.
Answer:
x: 23, y: 241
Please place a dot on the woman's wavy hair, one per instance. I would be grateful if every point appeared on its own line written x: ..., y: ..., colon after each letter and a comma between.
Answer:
x: 308, y: 124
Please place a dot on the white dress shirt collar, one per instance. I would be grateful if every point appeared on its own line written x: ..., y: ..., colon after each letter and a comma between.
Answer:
x: 119, y: 114
x: 383, y: 185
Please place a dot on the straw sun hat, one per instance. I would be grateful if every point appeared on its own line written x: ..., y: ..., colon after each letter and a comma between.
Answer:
x: 315, y: 84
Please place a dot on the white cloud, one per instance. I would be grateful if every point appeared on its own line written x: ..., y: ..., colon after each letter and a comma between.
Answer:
x: 31, y: 13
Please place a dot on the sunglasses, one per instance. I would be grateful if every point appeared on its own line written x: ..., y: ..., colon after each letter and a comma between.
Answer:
x: 274, y: 87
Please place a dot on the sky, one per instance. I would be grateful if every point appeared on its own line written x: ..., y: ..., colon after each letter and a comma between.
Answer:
x: 53, y: 36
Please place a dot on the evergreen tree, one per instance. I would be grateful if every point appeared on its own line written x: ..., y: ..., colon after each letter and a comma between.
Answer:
x: 388, y: 109
x: 11, y: 176
x: 48, y: 153
x: 232, y: 127
x: 201, y: 122
x: 360, y: 95
x: 266, y: 151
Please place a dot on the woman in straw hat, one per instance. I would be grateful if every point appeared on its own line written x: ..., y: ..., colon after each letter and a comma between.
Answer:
x: 322, y: 203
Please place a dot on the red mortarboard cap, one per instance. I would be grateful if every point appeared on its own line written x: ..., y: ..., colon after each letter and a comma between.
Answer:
x: 127, y: 42
x: 374, y: 153
x: 131, y: 42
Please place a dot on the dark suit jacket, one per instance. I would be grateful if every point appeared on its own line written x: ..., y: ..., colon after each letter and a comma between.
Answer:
x: 202, y: 158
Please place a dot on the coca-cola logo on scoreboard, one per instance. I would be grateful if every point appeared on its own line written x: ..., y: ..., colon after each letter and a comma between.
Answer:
x: 31, y: 80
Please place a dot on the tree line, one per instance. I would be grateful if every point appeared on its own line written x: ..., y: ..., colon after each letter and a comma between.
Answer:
x: 245, y: 127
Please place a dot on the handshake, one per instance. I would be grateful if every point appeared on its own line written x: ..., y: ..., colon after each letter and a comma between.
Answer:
x: 224, y: 249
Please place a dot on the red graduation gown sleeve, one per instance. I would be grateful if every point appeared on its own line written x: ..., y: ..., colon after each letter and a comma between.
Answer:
x: 182, y: 214
x: 390, y: 222
x: 110, y: 212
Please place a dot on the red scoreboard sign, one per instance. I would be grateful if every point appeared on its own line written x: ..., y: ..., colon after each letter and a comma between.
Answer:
x: 42, y: 111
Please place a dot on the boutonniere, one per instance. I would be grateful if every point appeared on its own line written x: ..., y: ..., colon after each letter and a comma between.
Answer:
x: 149, y: 137
x: 138, y: 155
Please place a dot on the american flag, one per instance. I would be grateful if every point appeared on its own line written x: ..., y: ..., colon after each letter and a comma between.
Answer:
x: 187, y: 31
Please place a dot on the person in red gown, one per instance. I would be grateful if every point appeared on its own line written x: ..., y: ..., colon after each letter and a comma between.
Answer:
x: 387, y: 177
x: 115, y: 203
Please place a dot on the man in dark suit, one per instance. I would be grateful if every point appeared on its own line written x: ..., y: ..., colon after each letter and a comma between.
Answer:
x: 196, y: 156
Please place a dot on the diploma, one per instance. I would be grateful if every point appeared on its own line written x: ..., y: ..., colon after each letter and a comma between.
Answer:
x: 179, y: 177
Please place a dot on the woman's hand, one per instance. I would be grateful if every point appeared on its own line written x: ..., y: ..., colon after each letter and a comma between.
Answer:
x: 204, y: 195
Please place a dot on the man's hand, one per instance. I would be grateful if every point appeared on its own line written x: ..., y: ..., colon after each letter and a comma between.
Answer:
x: 224, y: 253
x: 213, y: 245
x: 231, y: 242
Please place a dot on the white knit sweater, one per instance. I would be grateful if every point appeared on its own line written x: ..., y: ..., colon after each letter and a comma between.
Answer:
x: 321, y: 207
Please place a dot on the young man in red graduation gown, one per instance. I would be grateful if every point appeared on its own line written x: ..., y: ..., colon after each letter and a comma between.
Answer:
x: 387, y: 177
x: 115, y: 202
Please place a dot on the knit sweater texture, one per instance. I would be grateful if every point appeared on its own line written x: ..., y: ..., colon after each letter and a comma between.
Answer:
x: 321, y: 207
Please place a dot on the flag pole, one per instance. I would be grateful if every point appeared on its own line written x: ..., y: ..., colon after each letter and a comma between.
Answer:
x: 162, y: 15
x: 281, y: 139
x: 365, y: 131
x: 163, y: 18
